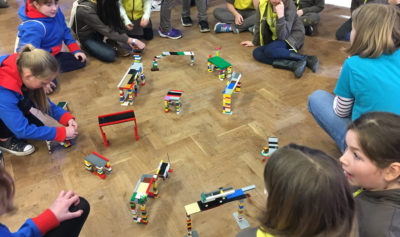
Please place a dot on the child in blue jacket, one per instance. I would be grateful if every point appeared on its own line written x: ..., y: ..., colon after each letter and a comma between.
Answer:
x: 43, y: 25
x: 64, y: 218
x: 23, y: 76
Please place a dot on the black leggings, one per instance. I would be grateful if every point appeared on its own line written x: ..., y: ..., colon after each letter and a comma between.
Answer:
x: 72, y: 227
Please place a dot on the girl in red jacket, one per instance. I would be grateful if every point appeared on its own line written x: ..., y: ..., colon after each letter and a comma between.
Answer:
x: 22, y: 79
x: 43, y: 25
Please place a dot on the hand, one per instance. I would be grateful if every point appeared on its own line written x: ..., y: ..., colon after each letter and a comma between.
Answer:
x: 73, y: 123
x: 300, y: 12
x: 247, y: 43
x: 60, y: 206
x: 238, y: 19
x: 129, y: 27
x: 138, y: 44
x: 144, y: 22
x: 280, y: 10
x: 80, y: 56
x: 70, y: 132
x: 49, y: 87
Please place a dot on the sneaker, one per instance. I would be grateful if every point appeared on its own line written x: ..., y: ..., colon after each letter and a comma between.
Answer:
x: 222, y: 28
x: 251, y: 29
x: 16, y: 146
x: 186, y: 21
x: 204, y: 26
x: 3, y: 4
x: 309, y: 30
x: 122, y: 52
x: 173, y: 34
x: 155, y: 6
x: 235, y: 30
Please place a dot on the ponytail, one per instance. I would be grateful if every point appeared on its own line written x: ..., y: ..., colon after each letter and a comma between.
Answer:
x: 42, y: 65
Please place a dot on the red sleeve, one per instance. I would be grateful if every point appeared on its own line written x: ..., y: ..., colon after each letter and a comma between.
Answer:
x: 65, y: 118
x: 73, y: 47
x: 46, y: 221
x: 61, y: 134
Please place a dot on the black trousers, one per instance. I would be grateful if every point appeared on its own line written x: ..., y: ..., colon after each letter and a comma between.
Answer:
x: 343, y: 33
x: 72, y: 227
x: 24, y: 105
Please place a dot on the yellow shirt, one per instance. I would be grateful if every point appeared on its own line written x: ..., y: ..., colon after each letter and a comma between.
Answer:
x: 243, y: 4
x: 133, y: 8
x: 270, y: 18
x: 260, y: 233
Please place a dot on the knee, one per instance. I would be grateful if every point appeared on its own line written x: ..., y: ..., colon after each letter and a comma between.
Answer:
x: 108, y: 56
x: 84, y: 206
x: 217, y: 13
x: 82, y: 64
x: 148, y: 34
x: 315, y: 97
x: 258, y: 54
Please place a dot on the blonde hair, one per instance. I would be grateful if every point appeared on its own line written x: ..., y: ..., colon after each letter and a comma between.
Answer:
x: 42, y: 65
x: 377, y: 29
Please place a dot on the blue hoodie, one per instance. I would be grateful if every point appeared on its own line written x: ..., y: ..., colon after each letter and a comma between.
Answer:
x: 44, y: 32
x: 35, y: 227
x: 12, y: 116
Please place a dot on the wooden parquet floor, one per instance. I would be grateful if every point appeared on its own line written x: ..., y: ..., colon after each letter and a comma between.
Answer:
x: 207, y: 149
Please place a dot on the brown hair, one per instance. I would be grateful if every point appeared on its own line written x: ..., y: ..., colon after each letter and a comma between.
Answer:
x: 42, y: 2
x: 377, y: 30
x: 308, y: 195
x: 7, y: 190
x: 42, y: 65
x: 378, y: 134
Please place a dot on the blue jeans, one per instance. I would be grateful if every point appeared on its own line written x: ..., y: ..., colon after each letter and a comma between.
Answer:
x: 320, y: 105
x: 98, y: 49
x: 277, y: 49
x: 68, y: 62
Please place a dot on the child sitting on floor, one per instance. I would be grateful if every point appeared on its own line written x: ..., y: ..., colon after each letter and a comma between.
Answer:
x: 307, y: 196
x: 93, y: 20
x: 43, y: 25
x: 372, y: 162
x: 64, y: 218
x: 23, y: 76
x: 280, y: 35
x: 369, y: 80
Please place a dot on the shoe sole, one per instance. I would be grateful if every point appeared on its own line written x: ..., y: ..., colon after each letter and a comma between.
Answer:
x: 204, y: 30
x: 17, y: 153
x: 162, y: 35
x: 186, y: 25
x: 215, y: 28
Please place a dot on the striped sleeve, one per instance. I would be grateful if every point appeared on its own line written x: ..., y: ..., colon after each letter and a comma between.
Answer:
x: 343, y: 106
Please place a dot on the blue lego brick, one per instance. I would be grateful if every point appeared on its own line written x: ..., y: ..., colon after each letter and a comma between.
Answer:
x: 237, y: 193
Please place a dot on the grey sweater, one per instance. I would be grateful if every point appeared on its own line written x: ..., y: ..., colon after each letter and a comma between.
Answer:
x: 378, y: 213
x: 288, y: 28
x: 311, y: 5
x: 89, y: 22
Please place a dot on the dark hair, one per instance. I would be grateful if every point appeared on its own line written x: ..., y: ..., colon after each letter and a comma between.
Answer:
x: 308, y: 195
x: 109, y: 14
x: 379, y: 136
x: 42, y: 2
x: 7, y: 189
